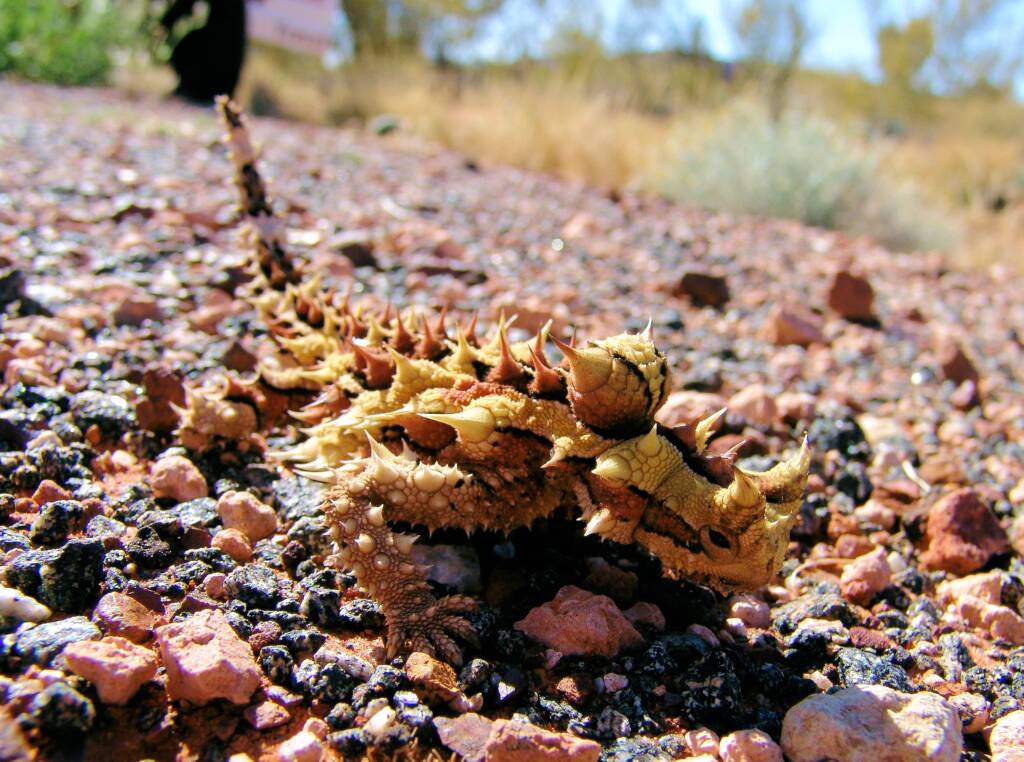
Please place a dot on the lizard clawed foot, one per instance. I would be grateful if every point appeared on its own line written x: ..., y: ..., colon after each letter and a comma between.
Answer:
x: 431, y: 629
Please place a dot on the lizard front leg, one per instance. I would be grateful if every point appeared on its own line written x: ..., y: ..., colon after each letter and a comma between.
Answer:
x: 366, y: 495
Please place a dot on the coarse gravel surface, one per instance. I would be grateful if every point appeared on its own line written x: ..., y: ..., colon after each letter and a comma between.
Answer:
x: 119, y: 264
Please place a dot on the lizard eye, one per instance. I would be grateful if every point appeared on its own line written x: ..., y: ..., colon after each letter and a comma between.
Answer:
x: 718, y: 544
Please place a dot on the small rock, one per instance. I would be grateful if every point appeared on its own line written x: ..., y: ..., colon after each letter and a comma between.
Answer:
x: 859, y: 667
x: 214, y: 585
x: 865, y: 577
x: 149, y: 550
x: 871, y: 723
x: 43, y: 643
x: 755, y: 404
x: 1000, y: 621
x: 704, y: 633
x: 580, y: 623
x: 862, y: 637
x: 121, y: 615
x: 962, y: 534
x: 965, y: 396
x: 749, y: 746
x: 381, y: 721
x: 943, y: 468
x: 354, y: 664
x: 576, y: 689
x: 973, y: 710
x: 56, y: 520
x: 177, y: 477
x: 317, y: 727
x: 511, y: 741
x: 244, y: 511
x: 750, y: 610
x: 735, y: 627
x: 1007, y: 739
x: 466, y: 735
x: 164, y: 389
x: 115, y: 666
x: 954, y: 363
x: 205, y: 660
x: 277, y: 663
x: 812, y: 634
x: 793, y: 325
x: 254, y: 585
x: 21, y: 607
x: 794, y: 407
x: 688, y: 407
x: 135, y: 309
x: 851, y: 296
x: 112, y: 415
x: 704, y: 289
x: 301, y: 747
x: 13, y: 746
x: 234, y: 544
x: 813, y: 606
x: 66, y: 579
x: 436, y: 681
x: 48, y: 491
x: 59, y: 710
x: 874, y: 513
x: 645, y: 613
x: 703, y: 741
x: 614, y: 682
x: 266, y: 715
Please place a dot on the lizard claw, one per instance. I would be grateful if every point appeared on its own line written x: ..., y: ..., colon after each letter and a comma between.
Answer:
x: 431, y: 629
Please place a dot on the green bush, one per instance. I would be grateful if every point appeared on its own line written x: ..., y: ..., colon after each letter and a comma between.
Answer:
x: 804, y: 168
x: 69, y: 42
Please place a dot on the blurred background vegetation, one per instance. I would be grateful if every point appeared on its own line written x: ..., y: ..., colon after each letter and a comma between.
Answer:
x: 925, y: 151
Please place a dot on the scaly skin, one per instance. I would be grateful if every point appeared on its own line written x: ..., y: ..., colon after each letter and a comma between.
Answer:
x: 412, y: 425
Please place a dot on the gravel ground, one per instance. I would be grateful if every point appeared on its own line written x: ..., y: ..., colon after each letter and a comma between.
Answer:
x: 125, y: 556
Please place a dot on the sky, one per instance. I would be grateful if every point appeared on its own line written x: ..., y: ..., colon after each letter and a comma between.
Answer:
x: 844, y: 39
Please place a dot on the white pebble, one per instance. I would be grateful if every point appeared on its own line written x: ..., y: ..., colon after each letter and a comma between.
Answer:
x: 16, y: 604
x: 381, y: 721
x: 301, y: 747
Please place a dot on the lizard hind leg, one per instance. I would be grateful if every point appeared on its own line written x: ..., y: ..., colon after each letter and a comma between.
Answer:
x: 381, y: 558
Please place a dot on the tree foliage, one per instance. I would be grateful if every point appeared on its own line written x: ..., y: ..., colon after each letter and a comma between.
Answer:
x: 960, y: 47
x: 69, y: 42
x: 381, y: 27
x: 773, y: 35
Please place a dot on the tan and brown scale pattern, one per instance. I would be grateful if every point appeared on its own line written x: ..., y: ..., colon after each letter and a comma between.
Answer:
x: 414, y: 426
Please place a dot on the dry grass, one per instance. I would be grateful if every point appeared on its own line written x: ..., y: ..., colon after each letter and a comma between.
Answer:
x: 980, y: 177
x: 140, y: 79
x: 549, y: 124
x: 551, y: 128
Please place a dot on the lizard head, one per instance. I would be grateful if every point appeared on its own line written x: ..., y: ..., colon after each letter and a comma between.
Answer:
x: 730, y: 537
x: 616, y: 385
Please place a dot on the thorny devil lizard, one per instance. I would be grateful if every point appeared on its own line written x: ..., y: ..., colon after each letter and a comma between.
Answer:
x: 414, y: 426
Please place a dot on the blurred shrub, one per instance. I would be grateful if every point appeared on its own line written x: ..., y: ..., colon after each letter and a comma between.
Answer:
x: 803, y: 168
x: 69, y: 42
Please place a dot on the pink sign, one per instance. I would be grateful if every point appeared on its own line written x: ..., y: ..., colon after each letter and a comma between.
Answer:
x: 303, y: 25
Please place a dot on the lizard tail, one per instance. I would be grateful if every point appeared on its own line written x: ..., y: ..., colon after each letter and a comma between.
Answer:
x: 275, y: 267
